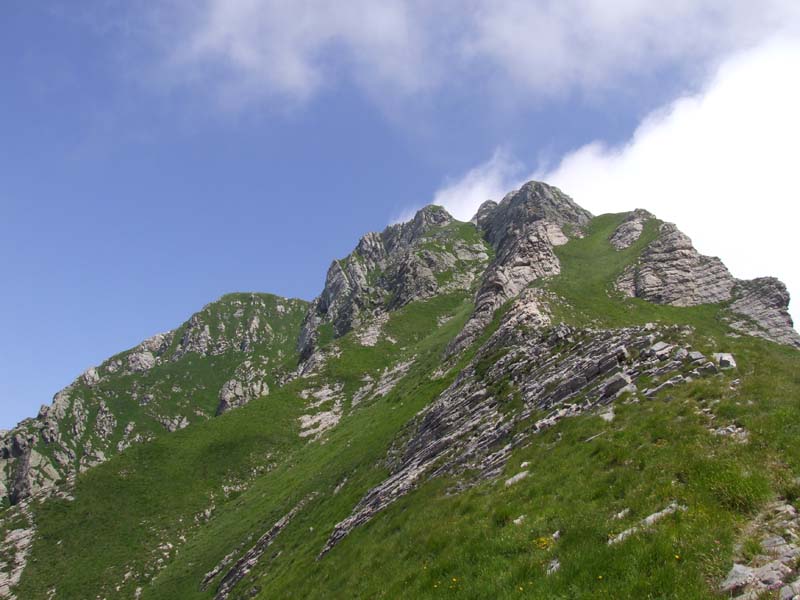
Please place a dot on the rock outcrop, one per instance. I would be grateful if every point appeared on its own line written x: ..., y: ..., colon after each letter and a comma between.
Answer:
x: 775, y: 566
x: 248, y: 383
x: 630, y: 229
x: 80, y: 428
x: 763, y: 303
x: 429, y: 255
x: 671, y: 271
x: 523, y: 229
x: 558, y: 369
x: 15, y: 548
x: 253, y: 555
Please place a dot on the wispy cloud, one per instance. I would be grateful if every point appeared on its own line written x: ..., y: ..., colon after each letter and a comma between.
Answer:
x: 550, y: 47
x: 260, y: 50
x: 246, y: 50
x: 721, y: 163
x: 488, y: 181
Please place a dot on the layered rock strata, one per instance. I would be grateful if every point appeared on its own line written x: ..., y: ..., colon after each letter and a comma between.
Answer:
x: 523, y: 229
x: 559, y: 369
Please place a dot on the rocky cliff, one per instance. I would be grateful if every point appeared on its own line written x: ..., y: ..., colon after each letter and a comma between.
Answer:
x: 671, y: 271
x: 430, y: 254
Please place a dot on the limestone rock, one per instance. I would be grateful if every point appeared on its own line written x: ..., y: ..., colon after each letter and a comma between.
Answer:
x: 250, y: 558
x: 671, y: 271
x: 484, y: 214
x: 409, y: 261
x: 764, y: 304
x: 141, y: 361
x: 523, y: 229
x: 725, y: 360
x: 316, y: 421
x: 630, y: 229
x: 738, y: 577
x: 90, y: 376
x: 172, y: 424
x: 775, y: 566
x: 105, y: 421
x: 14, y: 551
x: 248, y: 383
x: 516, y: 478
x: 558, y: 369
x: 647, y: 522
x: 553, y: 566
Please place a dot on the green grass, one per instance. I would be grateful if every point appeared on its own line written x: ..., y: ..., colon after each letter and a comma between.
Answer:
x: 433, y: 543
x: 164, y: 484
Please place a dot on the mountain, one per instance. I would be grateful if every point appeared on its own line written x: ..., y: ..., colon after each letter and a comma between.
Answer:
x: 537, y: 403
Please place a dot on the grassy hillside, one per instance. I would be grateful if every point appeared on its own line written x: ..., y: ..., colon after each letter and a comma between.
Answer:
x: 154, y: 520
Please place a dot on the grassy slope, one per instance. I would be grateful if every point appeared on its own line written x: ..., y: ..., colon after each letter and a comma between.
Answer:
x: 431, y: 544
x: 198, y: 378
x: 164, y: 484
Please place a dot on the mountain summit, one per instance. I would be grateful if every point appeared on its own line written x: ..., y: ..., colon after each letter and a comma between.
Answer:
x: 537, y: 403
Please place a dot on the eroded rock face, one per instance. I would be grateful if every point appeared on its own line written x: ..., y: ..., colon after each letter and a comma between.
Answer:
x: 80, y: 428
x: 237, y: 325
x: 406, y: 262
x: 14, y: 551
x: 671, y: 271
x: 523, y: 229
x: 25, y: 469
x: 630, y: 229
x: 559, y: 369
x: 248, y: 383
x: 764, y: 304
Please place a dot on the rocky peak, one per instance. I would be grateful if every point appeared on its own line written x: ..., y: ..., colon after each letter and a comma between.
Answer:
x: 523, y: 228
x: 429, y: 216
x: 409, y: 261
x: 81, y: 428
x: 534, y: 201
x: 484, y: 213
x: 425, y: 221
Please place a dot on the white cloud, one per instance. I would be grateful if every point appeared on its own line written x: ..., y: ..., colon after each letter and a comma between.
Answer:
x: 250, y: 49
x: 556, y: 46
x: 721, y: 164
x: 245, y: 50
x: 487, y: 181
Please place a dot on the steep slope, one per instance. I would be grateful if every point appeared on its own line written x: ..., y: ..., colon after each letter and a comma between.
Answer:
x: 539, y: 403
x: 429, y: 255
x: 227, y: 354
x: 671, y: 271
x: 523, y: 229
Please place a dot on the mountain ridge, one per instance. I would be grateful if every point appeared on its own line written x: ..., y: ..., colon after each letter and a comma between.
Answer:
x: 467, y: 341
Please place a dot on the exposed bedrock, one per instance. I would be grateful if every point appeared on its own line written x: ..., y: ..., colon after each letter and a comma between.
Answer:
x: 671, y: 271
x: 523, y: 228
x: 558, y: 369
x: 410, y: 261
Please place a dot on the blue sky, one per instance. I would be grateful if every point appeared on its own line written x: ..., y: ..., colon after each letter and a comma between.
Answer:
x: 152, y: 159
